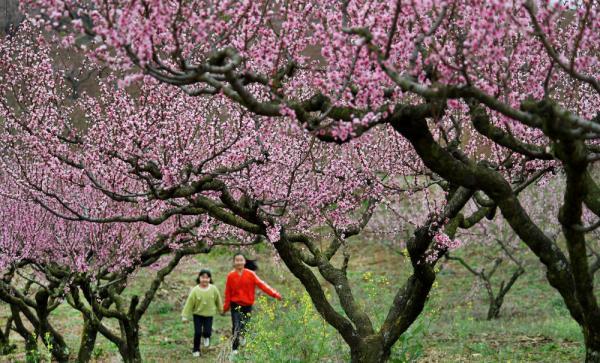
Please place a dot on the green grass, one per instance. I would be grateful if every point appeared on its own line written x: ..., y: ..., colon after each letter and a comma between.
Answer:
x: 534, y: 325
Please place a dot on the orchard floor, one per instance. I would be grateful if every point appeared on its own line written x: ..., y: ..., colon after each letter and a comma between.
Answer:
x: 534, y: 325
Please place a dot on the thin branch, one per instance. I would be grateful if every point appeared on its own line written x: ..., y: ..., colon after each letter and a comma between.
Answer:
x: 595, y: 83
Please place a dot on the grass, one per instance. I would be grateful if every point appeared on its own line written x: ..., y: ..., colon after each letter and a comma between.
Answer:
x: 534, y: 325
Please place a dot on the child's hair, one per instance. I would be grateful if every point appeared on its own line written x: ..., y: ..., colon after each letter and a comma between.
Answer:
x: 204, y: 272
x: 250, y: 264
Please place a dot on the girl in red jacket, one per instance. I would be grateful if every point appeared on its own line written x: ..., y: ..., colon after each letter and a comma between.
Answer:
x: 239, y: 295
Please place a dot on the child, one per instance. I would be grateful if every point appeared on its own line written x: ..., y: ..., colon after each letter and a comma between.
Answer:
x: 203, y: 303
x: 239, y: 295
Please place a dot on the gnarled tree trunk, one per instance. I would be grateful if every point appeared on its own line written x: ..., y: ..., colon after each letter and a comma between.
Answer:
x: 592, y: 345
x: 130, y: 349
x: 370, y: 350
x: 88, y: 340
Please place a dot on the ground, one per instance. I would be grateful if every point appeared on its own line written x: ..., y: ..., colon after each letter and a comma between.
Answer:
x: 534, y: 325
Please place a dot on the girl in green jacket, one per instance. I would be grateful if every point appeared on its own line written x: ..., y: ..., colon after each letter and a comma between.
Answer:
x: 203, y: 303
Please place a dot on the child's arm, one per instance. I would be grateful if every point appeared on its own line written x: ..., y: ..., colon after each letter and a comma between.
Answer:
x: 266, y: 288
x: 218, y: 301
x: 188, y: 308
x: 227, y: 294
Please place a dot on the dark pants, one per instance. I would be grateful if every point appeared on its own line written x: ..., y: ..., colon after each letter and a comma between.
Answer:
x: 240, y: 315
x: 202, y: 328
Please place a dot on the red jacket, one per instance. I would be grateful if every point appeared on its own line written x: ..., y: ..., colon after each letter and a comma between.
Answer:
x: 239, y: 289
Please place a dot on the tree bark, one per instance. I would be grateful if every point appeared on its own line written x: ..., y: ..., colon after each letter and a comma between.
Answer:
x: 494, y: 309
x: 130, y: 350
x: 51, y: 338
x: 5, y: 346
x: 31, y: 348
x: 88, y: 341
x: 573, y: 155
x: 592, y: 346
x: 370, y: 350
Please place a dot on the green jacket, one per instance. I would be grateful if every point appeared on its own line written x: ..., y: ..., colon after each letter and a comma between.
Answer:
x: 203, y: 302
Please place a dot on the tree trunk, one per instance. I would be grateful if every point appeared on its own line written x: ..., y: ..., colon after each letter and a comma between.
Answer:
x: 130, y: 351
x: 494, y: 310
x: 370, y: 350
x: 592, y: 355
x: 31, y: 347
x: 592, y: 345
x: 130, y: 354
x: 5, y: 346
x: 51, y: 338
x: 88, y: 341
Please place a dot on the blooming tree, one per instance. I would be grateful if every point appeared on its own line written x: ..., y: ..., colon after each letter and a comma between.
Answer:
x: 152, y: 161
x: 45, y: 260
x: 40, y: 256
x: 485, y: 92
x: 501, y: 246
x: 542, y: 201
